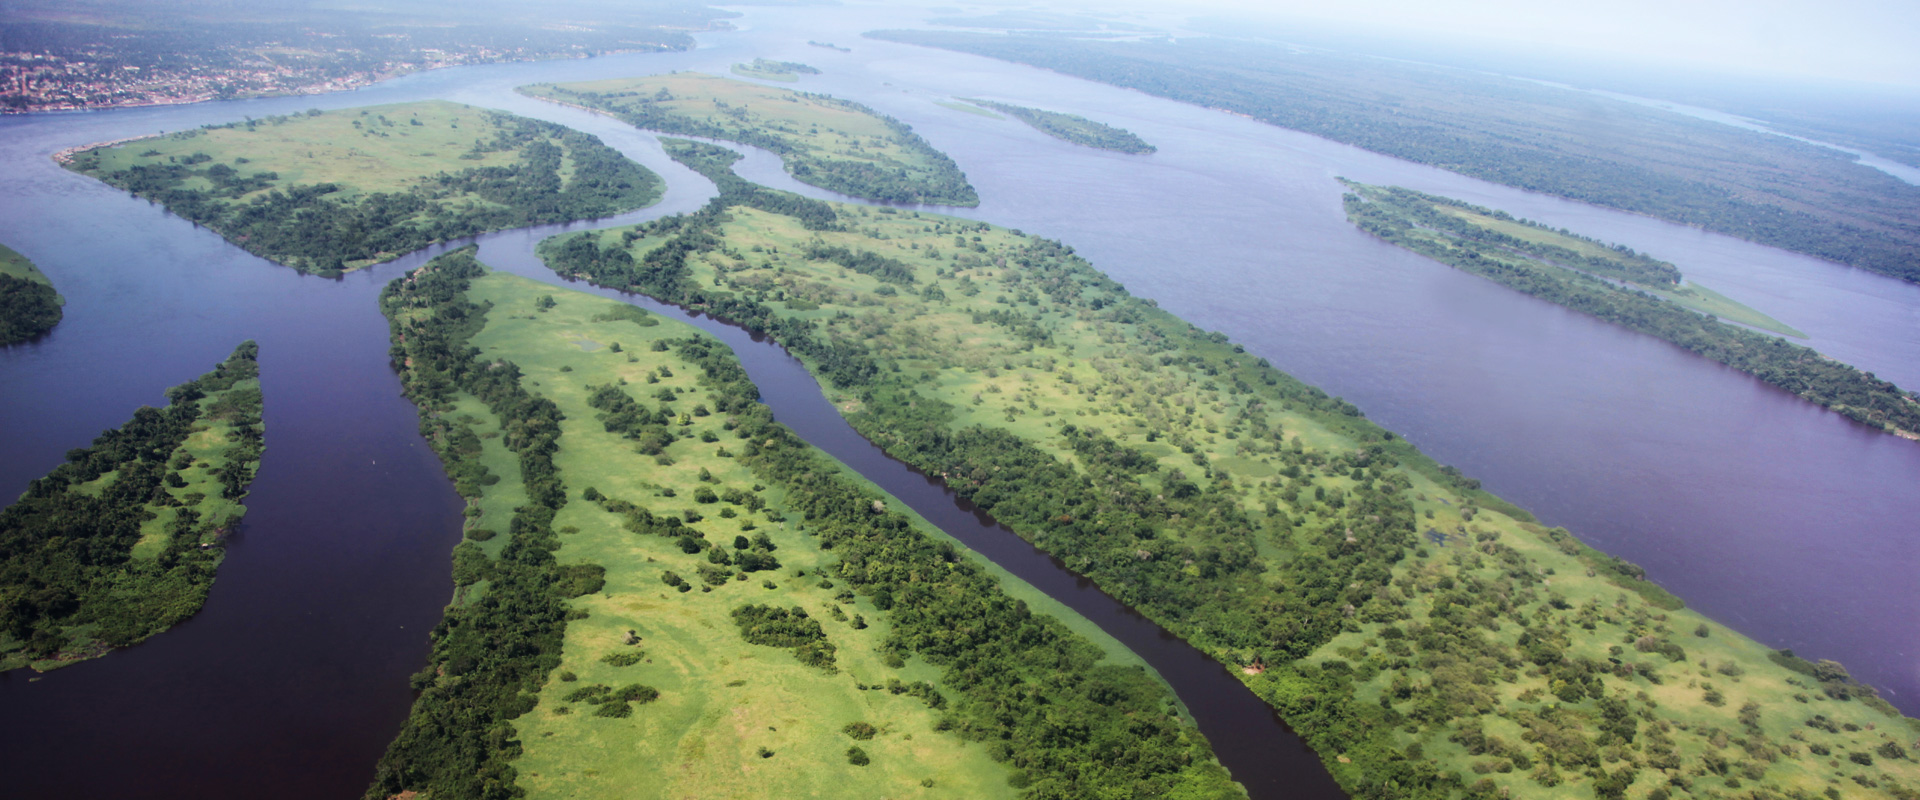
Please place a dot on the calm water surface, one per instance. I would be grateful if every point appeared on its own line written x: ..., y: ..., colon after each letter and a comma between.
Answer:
x: 1788, y: 522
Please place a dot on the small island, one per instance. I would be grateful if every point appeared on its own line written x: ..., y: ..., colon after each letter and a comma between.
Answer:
x: 1627, y: 289
x: 329, y: 192
x: 122, y: 541
x: 651, y: 560
x: 788, y: 71
x: 1071, y: 128
x: 29, y: 306
x: 833, y: 144
x: 829, y: 46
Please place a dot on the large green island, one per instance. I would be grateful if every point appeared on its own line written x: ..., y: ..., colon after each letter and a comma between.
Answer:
x: 664, y: 593
x: 1627, y: 289
x: 1428, y: 639
x: 122, y: 541
x: 328, y: 192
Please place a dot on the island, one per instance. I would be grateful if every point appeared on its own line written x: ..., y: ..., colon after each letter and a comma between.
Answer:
x: 1072, y: 128
x: 329, y: 192
x: 833, y: 144
x: 664, y: 593
x: 122, y: 541
x: 1427, y: 638
x: 1628, y: 289
x: 764, y: 69
x: 1765, y: 189
x: 29, y: 306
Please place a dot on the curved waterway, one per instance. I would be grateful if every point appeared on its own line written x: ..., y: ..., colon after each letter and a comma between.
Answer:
x: 1773, y: 515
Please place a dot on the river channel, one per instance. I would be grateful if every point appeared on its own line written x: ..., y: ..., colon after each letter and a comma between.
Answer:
x: 1786, y: 521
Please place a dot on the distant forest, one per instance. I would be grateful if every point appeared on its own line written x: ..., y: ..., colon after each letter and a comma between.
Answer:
x: 1758, y: 187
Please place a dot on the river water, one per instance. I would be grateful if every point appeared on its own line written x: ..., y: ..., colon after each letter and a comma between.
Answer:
x: 1783, y: 520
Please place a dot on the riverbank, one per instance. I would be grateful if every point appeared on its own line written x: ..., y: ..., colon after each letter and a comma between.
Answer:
x: 785, y: 542
x: 1263, y: 521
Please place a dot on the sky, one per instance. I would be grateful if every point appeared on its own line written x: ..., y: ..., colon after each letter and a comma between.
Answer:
x: 1876, y: 41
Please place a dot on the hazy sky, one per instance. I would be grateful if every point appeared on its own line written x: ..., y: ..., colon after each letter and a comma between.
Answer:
x: 1866, y: 40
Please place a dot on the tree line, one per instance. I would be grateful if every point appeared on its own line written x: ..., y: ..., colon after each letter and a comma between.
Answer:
x: 324, y: 227
x: 1411, y: 220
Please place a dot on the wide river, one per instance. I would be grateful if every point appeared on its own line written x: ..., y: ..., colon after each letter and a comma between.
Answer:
x: 1790, y: 523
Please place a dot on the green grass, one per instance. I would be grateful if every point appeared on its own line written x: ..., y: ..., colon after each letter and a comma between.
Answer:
x: 967, y: 107
x: 1089, y: 370
x: 1691, y: 295
x: 721, y: 698
x: 353, y: 148
x: 830, y: 143
x: 12, y: 263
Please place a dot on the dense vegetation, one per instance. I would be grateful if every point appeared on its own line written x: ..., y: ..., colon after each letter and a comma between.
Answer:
x: 28, y: 304
x: 532, y: 173
x: 1428, y: 639
x: 1754, y: 186
x: 1421, y: 223
x: 1029, y: 692
x: 774, y: 70
x: 1072, y: 128
x: 830, y: 143
x: 491, y: 656
x: 122, y: 541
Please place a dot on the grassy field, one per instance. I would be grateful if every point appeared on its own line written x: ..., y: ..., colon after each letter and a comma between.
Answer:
x: 16, y: 265
x: 977, y: 323
x: 1692, y: 295
x: 723, y: 702
x: 373, y: 149
x: 334, y: 191
x: 829, y: 143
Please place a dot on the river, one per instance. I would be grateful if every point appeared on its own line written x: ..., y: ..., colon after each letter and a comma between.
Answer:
x: 1786, y: 521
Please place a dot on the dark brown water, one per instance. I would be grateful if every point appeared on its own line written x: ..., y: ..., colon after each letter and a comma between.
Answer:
x: 1788, y: 522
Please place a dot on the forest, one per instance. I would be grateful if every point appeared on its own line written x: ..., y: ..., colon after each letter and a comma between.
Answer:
x: 29, y: 306
x: 1072, y: 128
x: 824, y: 141
x: 545, y: 173
x: 1419, y: 222
x: 535, y: 631
x: 1753, y: 186
x: 121, y: 542
x: 1427, y: 639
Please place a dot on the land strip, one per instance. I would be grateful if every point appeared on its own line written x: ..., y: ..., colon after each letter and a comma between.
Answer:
x: 1754, y: 186
x: 1072, y: 128
x: 830, y: 143
x: 329, y: 192
x: 29, y: 305
x: 1626, y: 289
x: 122, y: 541
x: 1428, y: 639
x: 664, y: 594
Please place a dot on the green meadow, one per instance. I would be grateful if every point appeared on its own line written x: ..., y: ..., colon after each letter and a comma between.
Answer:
x: 389, y: 148
x: 1691, y: 295
x: 329, y: 192
x: 16, y: 265
x: 732, y: 719
x: 1413, y: 628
